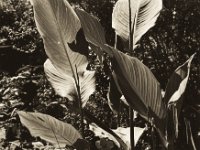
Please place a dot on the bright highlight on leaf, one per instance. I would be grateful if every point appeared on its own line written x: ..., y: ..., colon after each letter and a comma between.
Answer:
x: 49, y: 128
x: 65, y: 86
x: 58, y: 25
x: 144, y: 14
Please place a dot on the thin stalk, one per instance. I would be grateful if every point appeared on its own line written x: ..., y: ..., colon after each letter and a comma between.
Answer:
x: 130, y: 29
x: 115, y: 44
x: 131, y: 127
x: 130, y: 108
x: 80, y: 103
x: 153, y: 138
x: 119, y: 111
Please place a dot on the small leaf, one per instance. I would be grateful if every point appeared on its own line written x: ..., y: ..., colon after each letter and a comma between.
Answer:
x: 49, y: 128
x: 93, y: 30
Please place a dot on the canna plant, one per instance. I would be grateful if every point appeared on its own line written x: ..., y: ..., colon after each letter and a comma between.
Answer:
x: 67, y: 33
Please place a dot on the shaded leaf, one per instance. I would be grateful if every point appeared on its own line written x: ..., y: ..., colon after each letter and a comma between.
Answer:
x: 93, y: 30
x: 80, y: 44
x: 49, y: 128
x: 144, y: 14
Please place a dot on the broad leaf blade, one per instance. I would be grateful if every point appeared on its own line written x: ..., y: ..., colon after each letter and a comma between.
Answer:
x: 144, y: 14
x: 49, y: 128
x: 58, y: 25
x: 140, y: 88
x: 65, y: 86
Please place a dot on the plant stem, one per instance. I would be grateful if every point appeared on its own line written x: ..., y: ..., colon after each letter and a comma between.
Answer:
x: 153, y: 138
x: 130, y: 108
x: 130, y: 29
x: 81, y: 111
x: 119, y: 111
x: 80, y: 103
x: 131, y: 114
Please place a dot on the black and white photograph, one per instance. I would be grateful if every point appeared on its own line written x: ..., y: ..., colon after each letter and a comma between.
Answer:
x: 99, y: 74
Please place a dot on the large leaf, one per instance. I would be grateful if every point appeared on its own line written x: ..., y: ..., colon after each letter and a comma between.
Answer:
x: 174, y: 94
x: 123, y: 133
x: 65, y: 86
x: 60, y: 29
x: 144, y: 14
x: 58, y: 25
x: 49, y: 128
x: 141, y: 89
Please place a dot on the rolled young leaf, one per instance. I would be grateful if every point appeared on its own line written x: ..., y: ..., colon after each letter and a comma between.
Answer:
x: 49, y: 128
x: 144, y: 14
x: 174, y: 94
